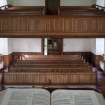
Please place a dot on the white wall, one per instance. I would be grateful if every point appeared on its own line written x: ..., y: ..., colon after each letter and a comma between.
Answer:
x: 93, y: 45
x: 4, y: 46
x: 76, y: 45
x: 77, y: 2
x: 9, y: 45
x: 34, y: 45
x: 42, y: 2
x: 25, y: 45
x: 27, y: 2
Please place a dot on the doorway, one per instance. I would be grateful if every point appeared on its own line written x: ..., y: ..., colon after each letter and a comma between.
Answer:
x: 52, y: 46
x: 52, y: 7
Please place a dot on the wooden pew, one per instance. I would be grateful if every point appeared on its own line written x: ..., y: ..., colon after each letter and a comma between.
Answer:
x: 53, y: 69
x: 49, y: 78
x: 50, y: 70
x: 51, y: 65
x: 23, y: 56
x: 71, y: 62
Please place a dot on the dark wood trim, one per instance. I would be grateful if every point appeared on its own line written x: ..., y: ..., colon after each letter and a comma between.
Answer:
x: 72, y: 53
x: 53, y: 35
x: 42, y: 45
x: 28, y: 53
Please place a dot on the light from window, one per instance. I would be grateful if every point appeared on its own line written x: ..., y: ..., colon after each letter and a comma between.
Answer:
x: 99, y: 46
x: 3, y: 4
x: 100, y: 3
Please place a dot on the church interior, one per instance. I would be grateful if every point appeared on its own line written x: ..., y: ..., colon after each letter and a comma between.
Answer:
x: 52, y: 52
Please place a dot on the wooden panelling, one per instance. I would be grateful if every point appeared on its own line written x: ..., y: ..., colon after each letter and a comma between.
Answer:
x: 72, y: 25
x: 31, y: 25
x: 22, y: 24
x: 84, y: 25
x: 49, y: 78
x: 101, y: 24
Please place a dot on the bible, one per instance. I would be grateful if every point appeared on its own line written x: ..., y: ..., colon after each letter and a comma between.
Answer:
x: 57, y: 97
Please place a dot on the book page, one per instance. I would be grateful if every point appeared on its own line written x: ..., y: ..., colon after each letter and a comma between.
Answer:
x: 41, y: 98
x: 83, y: 100
x: 26, y: 97
x: 74, y: 97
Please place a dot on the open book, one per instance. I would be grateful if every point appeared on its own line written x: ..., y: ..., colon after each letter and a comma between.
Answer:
x: 57, y: 97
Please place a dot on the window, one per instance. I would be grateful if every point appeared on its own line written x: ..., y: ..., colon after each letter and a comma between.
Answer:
x: 3, y: 4
x: 100, y: 3
x: 99, y: 46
